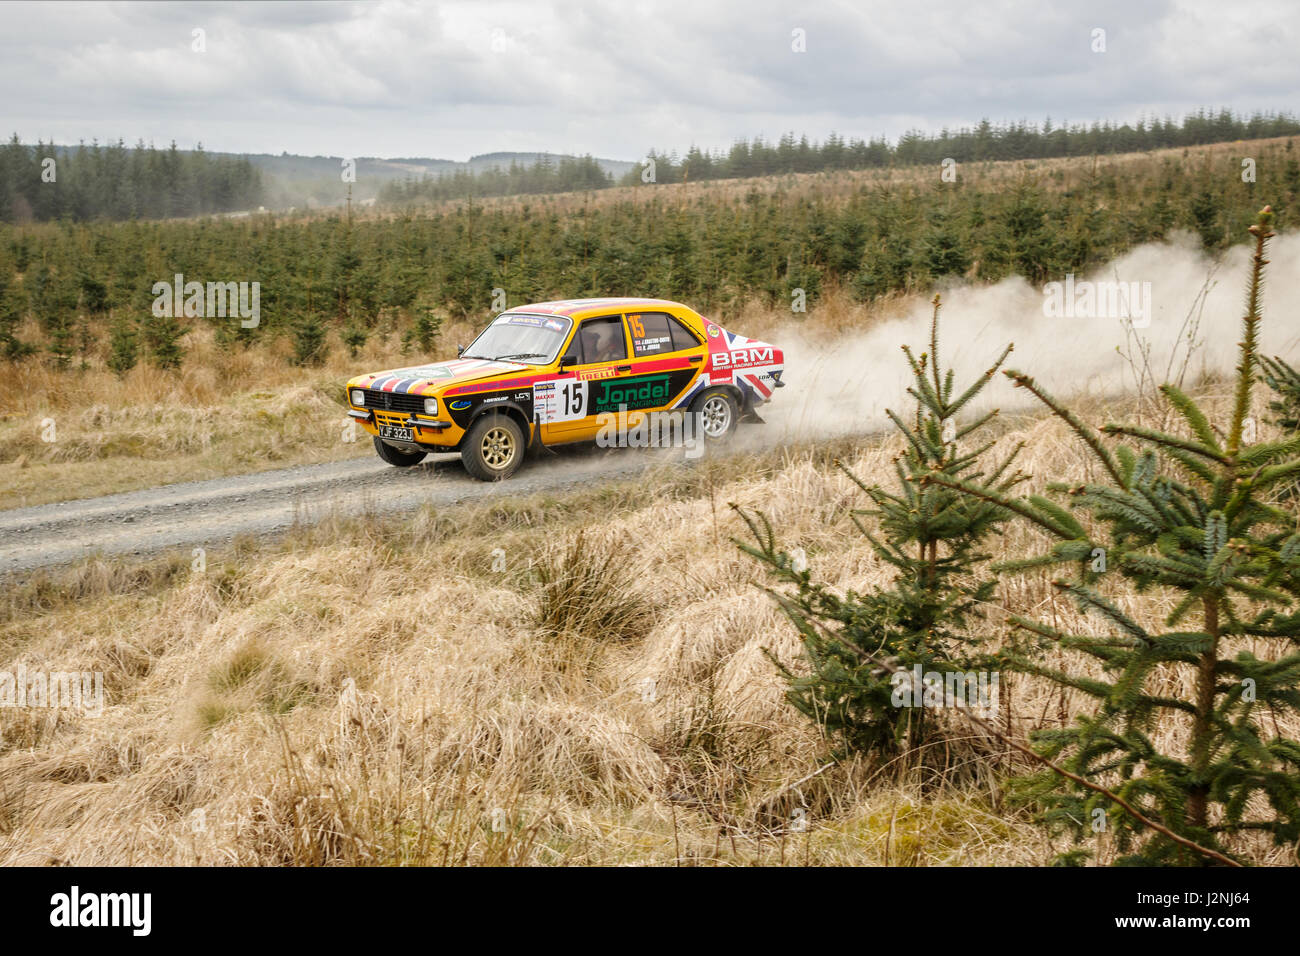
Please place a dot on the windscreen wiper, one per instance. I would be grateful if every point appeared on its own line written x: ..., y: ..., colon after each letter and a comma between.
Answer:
x: 520, y: 355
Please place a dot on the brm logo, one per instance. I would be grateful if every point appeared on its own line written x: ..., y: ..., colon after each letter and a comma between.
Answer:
x: 742, y: 358
x: 132, y: 910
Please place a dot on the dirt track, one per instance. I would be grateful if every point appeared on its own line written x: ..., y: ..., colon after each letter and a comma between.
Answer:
x: 208, y: 513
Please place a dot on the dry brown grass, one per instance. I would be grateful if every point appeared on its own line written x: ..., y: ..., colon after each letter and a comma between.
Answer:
x: 374, y: 692
x: 223, y: 413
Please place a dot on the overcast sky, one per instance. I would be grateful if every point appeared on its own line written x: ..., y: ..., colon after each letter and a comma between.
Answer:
x: 451, y: 80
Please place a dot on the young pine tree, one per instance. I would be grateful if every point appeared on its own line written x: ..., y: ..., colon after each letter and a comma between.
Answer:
x: 931, y: 536
x: 62, y: 338
x: 94, y: 293
x: 162, y: 336
x: 354, y: 336
x: 1285, y: 382
x: 123, y: 346
x: 424, y: 333
x: 12, y: 306
x: 309, y: 346
x: 1192, y: 518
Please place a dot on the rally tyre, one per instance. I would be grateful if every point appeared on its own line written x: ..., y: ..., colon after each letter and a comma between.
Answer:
x: 395, y: 456
x: 718, y: 415
x: 494, y: 448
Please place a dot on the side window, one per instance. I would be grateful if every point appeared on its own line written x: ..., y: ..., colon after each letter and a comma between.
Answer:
x: 602, y: 340
x: 683, y: 338
x: 574, y: 352
x: 650, y: 333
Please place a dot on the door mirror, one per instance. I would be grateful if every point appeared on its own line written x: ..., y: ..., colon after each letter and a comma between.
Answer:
x: 460, y: 350
x: 568, y: 360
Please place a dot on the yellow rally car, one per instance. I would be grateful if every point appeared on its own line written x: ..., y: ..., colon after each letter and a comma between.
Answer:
x: 560, y: 372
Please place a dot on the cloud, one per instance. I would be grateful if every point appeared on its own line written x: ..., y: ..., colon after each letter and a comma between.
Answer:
x: 405, y: 78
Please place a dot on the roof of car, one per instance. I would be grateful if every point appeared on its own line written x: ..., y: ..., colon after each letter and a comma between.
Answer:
x: 582, y: 308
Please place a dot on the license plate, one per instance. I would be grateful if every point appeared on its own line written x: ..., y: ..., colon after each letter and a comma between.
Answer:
x: 396, y: 433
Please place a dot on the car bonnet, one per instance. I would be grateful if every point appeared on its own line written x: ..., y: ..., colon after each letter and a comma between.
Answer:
x: 420, y: 379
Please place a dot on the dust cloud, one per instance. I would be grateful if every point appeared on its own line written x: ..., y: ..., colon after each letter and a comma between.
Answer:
x: 845, y: 386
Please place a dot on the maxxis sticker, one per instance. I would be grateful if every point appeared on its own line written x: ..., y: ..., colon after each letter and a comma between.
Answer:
x: 562, y: 400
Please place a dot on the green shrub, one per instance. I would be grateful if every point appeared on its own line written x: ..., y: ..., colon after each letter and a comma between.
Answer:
x: 931, y: 536
x: 1189, y: 516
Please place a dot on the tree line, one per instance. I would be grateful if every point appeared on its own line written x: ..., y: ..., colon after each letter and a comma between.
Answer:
x: 986, y: 142
x: 45, y: 182
x: 570, y: 174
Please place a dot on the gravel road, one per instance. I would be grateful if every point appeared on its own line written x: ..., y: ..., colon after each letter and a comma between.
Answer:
x: 208, y: 513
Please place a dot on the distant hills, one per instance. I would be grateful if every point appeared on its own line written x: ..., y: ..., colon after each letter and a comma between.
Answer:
x: 293, y: 180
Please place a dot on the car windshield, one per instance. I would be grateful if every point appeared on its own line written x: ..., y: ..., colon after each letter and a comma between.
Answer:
x: 531, y: 339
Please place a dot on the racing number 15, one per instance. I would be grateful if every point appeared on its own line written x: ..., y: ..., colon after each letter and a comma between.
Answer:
x: 573, y: 396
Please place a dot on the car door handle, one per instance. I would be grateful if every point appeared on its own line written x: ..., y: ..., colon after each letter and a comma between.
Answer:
x: 697, y: 359
x: 623, y: 368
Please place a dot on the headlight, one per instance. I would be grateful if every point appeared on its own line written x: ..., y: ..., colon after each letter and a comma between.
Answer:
x: 431, y: 406
x: 358, y: 397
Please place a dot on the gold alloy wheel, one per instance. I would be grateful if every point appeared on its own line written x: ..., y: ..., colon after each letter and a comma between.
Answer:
x: 498, y: 448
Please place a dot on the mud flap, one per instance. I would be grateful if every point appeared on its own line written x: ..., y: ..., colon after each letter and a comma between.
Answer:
x: 535, y: 447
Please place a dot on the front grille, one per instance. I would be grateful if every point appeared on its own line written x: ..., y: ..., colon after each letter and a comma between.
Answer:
x: 393, y: 401
x: 390, y: 418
